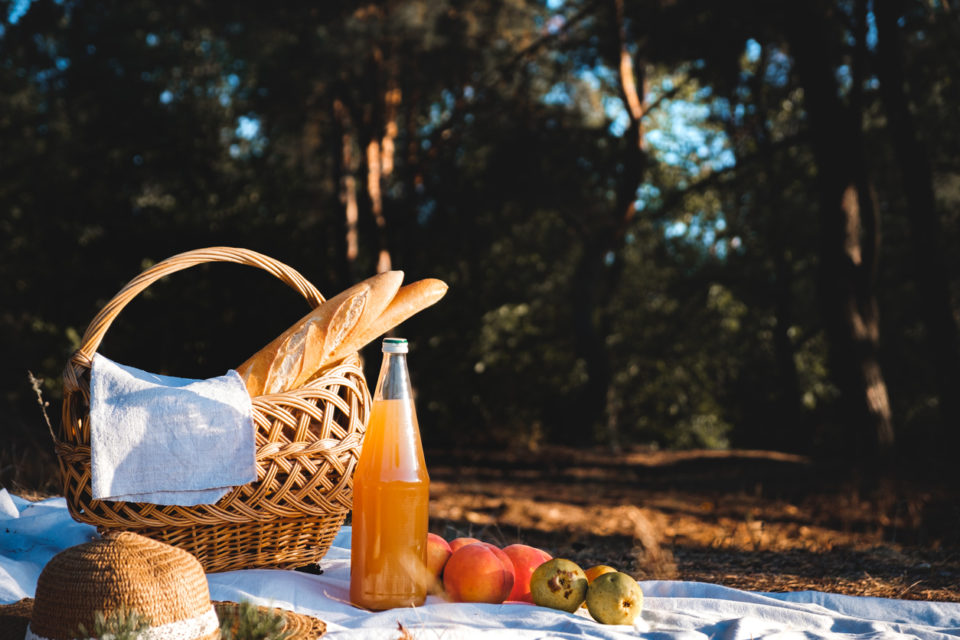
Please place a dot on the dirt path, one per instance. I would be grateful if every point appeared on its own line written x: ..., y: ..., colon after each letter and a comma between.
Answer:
x: 753, y: 520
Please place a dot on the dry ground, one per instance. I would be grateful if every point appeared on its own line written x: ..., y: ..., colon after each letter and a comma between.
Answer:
x: 754, y: 520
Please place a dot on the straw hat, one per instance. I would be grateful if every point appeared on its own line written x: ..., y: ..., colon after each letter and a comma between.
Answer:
x: 128, y: 572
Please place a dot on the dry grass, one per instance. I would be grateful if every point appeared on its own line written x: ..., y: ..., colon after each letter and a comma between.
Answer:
x: 29, y: 470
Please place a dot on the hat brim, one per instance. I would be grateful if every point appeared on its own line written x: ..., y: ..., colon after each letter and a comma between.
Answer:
x: 14, y: 619
x: 296, y: 626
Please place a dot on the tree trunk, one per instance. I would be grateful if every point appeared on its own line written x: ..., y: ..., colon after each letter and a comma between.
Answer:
x: 600, y: 266
x: 375, y: 115
x: 373, y: 134
x: 850, y: 235
x: 590, y: 340
x: 789, y: 405
x: 935, y: 307
x: 348, y: 187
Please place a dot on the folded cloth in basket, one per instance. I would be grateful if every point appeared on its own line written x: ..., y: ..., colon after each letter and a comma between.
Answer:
x: 166, y: 440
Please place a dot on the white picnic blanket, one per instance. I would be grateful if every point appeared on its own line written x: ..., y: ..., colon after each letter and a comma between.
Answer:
x: 31, y: 533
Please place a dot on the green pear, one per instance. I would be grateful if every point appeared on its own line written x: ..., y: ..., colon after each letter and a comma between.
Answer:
x: 614, y: 598
x: 558, y: 584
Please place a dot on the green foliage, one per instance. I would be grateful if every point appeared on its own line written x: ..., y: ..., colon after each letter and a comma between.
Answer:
x: 249, y: 622
x: 245, y: 622
x: 135, y: 130
x: 121, y: 624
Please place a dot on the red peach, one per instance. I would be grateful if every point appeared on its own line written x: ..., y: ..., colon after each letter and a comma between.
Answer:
x: 456, y: 543
x: 478, y: 572
x: 438, y: 552
x: 525, y: 560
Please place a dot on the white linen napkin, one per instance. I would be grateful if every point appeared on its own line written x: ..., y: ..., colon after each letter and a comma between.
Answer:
x: 166, y: 440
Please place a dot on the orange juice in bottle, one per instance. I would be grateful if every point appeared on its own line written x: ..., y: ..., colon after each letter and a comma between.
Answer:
x: 390, y: 495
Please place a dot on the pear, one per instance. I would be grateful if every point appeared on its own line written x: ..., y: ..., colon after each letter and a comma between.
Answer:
x: 614, y: 598
x: 592, y: 573
x: 559, y: 584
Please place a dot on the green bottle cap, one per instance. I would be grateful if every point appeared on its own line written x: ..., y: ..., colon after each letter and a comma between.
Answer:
x: 395, y: 345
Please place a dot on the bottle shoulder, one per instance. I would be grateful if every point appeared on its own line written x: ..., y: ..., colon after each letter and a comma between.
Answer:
x: 393, y: 383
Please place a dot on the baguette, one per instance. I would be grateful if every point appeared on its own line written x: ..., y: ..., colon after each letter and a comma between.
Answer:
x: 292, y: 357
x: 409, y: 300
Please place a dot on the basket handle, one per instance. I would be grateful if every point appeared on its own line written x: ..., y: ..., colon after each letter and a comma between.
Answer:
x: 98, y: 327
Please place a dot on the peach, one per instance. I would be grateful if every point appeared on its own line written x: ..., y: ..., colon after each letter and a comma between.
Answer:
x: 478, y: 572
x: 456, y: 543
x: 596, y: 571
x: 438, y: 552
x: 525, y: 560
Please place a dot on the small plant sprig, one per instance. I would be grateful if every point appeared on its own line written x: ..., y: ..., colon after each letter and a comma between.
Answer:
x: 122, y: 624
x: 37, y: 385
x: 249, y: 622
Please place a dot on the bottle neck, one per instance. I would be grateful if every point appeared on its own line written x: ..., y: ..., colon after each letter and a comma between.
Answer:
x: 394, y: 380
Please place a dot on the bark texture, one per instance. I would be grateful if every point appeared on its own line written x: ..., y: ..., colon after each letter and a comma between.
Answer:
x: 849, y: 237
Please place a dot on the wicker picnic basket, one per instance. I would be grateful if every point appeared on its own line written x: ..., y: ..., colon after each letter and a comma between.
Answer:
x: 308, y: 443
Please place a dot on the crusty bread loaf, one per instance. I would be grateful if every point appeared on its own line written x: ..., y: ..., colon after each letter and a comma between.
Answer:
x: 409, y: 300
x: 276, y: 362
x: 294, y: 356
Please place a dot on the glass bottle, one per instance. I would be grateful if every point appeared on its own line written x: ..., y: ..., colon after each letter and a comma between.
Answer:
x: 390, y: 495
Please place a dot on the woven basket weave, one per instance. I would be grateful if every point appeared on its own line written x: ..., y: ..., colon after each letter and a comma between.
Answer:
x: 308, y: 442
x: 120, y: 573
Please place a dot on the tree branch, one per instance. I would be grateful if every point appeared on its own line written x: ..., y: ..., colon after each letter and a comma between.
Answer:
x: 549, y: 37
x: 665, y: 96
x: 715, y: 178
x: 632, y: 92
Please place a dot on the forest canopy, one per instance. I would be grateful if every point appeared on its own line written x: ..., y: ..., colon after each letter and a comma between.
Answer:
x: 675, y: 223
